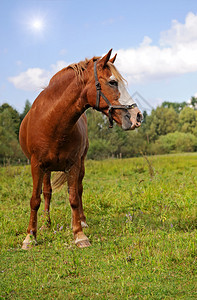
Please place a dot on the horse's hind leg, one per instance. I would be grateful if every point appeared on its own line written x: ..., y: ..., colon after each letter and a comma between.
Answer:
x: 81, y: 239
x: 47, y: 192
x: 37, y: 175
x: 80, y: 189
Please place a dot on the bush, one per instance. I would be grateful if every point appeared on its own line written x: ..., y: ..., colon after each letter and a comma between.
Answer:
x: 175, y: 142
x: 98, y: 149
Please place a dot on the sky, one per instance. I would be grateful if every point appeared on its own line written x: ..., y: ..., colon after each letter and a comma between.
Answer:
x: 155, y: 42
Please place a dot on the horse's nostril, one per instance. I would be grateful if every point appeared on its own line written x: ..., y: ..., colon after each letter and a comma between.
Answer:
x: 139, y: 118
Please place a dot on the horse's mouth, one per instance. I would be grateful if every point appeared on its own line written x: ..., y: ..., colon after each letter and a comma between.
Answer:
x: 129, y: 123
x: 126, y: 122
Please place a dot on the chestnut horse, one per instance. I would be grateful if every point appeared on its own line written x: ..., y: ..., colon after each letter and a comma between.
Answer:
x: 53, y: 135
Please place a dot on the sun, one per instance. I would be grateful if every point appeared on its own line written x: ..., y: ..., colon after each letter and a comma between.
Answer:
x: 37, y: 25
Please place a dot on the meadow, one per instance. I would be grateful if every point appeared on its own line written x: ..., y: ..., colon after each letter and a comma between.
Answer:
x: 141, y: 214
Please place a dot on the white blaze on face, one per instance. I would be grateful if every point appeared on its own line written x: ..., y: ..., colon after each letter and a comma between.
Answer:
x: 125, y: 98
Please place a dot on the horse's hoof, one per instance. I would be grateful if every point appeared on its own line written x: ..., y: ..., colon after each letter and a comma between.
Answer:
x: 81, y: 240
x: 84, y: 224
x: 26, y: 246
x: 29, y: 242
x: 83, y: 244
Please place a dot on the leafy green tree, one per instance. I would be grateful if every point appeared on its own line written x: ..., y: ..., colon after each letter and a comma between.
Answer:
x: 157, y: 134
x: 194, y: 102
x: 177, y: 106
x: 98, y: 149
x: 25, y: 110
x: 161, y: 121
x: 13, y: 115
x: 105, y: 142
x: 97, y: 124
x: 144, y: 116
x: 9, y: 146
x: 188, y: 121
x: 97, y: 134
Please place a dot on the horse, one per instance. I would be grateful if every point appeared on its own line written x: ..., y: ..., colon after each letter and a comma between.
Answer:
x: 53, y: 135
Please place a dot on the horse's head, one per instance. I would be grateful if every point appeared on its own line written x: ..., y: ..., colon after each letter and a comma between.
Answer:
x: 110, y: 95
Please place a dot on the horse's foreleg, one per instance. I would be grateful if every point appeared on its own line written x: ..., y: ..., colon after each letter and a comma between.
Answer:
x: 47, y: 192
x: 37, y: 175
x: 80, y: 191
x: 81, y: 239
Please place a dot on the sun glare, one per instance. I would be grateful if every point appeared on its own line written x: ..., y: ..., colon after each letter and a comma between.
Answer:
x: 37, y: 25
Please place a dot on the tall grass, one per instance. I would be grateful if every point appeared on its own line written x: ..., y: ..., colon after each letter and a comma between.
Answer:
x: 142, y: 228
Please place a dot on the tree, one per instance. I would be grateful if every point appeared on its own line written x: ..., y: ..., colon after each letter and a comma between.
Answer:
x: 105, y: 142
x: 188, y: 121
x: 25, y: 110
x: 168, y: 128
x: 161, y: 121
x: 145, y: 114
x: 9, y: 146
x: 193, y: 102
x: 177, y: 106
x: 13, y: 117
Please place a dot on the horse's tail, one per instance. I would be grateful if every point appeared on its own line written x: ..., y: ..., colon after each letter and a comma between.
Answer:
x: 59, y: 180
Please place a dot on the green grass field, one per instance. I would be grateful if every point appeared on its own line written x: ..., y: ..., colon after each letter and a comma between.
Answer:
x: 142, y: 226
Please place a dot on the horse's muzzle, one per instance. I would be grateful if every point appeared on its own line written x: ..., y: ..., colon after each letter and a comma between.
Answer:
x: 126, y: 122
x: 129, y: 122
x: 136, y: 121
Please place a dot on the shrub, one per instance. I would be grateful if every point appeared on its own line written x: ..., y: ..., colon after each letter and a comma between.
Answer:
x: 98, y: 149
x: 175, y: 142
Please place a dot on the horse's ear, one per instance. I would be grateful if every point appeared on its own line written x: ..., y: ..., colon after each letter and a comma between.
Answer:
x: 112, y: 60
x: 105, y: 59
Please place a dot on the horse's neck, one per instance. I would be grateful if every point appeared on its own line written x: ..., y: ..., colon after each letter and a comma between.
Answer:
x: 68, y: 105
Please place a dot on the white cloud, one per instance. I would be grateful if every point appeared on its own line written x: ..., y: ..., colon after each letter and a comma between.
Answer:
x: 181, y: 33
x: 36, y: 78
x: 30, y: 80
x: 176, y: 54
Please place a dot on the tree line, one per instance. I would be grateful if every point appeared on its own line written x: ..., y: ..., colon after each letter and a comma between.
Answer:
x: 10, y: 120
x: 171, y: 127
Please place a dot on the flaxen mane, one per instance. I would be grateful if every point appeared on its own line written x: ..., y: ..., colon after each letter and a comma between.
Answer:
x: 116, y: 73
x: 80, y: 67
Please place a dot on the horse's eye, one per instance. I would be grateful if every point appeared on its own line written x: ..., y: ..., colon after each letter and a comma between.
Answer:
x: 113, y: 83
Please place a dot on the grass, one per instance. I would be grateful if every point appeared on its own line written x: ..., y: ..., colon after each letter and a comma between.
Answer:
x: 142, y: 226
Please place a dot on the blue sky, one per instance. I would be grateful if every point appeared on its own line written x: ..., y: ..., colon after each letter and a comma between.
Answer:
x: 156, y: 42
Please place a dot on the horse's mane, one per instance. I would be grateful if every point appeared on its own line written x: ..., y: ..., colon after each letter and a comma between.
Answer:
x: 80, y: 67
x: 116, y: 73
